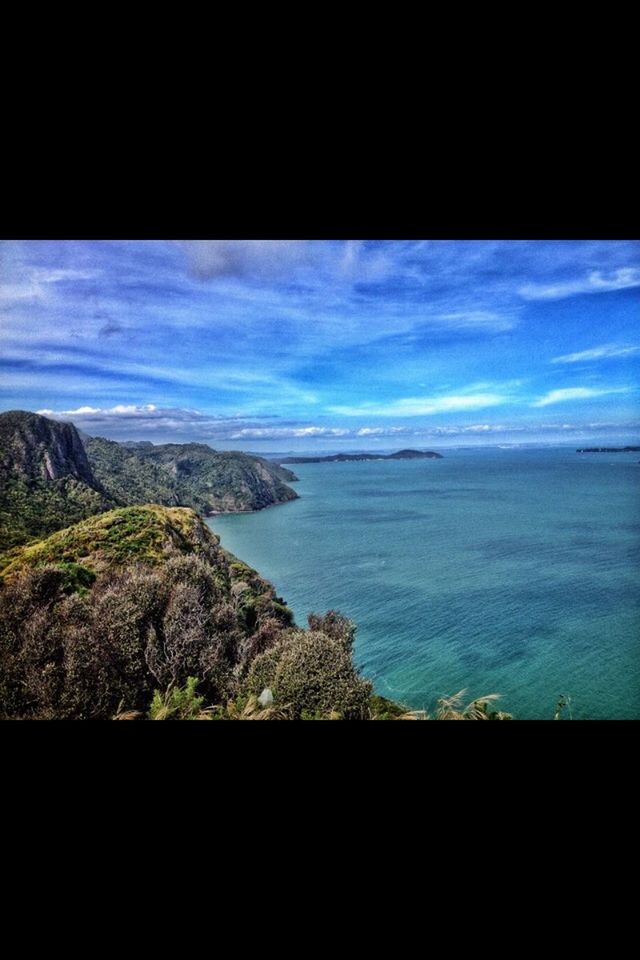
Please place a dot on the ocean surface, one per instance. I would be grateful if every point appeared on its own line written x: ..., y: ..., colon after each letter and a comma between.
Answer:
x: 505, y: 571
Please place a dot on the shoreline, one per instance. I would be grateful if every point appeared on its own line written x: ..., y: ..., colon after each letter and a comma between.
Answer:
x: 238, y: 513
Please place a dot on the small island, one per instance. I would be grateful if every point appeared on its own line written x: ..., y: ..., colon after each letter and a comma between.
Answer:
x: 609, y: 450
x: 347, y: 457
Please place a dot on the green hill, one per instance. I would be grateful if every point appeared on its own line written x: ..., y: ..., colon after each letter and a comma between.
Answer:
x: 51, y: 477
x: 192, y: 475
x: 96, y: 617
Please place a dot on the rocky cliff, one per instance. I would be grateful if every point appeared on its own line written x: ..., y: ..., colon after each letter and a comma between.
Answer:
x: 50, y: 477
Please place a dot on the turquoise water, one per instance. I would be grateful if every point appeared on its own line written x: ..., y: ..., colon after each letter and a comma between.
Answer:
x: 507, y: 571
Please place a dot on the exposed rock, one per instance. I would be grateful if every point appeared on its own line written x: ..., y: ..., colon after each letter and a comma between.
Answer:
x: 50, y: 478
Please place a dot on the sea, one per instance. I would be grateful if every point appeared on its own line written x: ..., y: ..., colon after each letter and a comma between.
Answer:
x: 508, y: 571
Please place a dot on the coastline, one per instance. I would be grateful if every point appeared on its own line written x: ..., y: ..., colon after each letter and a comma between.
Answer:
x: 236, y: 513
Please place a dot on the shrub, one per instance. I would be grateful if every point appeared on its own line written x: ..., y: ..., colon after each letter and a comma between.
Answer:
x: 312, y: 673
x: 265, y: 638
x: 335, y: 625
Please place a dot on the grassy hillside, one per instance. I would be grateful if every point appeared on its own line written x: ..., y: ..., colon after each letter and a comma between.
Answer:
x: 35, y: 508
x: 115, y: 539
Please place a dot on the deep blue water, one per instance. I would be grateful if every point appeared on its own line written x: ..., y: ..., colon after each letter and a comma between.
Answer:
x: 499, y: 571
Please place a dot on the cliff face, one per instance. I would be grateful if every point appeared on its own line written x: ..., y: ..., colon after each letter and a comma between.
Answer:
x: 46, y: 481
x: 35, y: 448
x: 50, y: 477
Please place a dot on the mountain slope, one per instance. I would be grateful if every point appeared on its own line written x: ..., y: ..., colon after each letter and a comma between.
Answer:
x: 50, y: 477
x: 33, y: 447
x: 102, y: 613
x: 128, y: 477
x: 46, y: 481
x: 191, y: 474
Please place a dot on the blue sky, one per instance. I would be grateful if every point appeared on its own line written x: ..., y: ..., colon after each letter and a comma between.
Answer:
x: 325, y: 345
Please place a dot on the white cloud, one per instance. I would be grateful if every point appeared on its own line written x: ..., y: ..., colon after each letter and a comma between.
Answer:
x: 32, y: 286
x: 42, y: 275
x: 422, y: 406
x: 597, y: 353
x: 381, y: 431
x: 120, y: 411
x: 489, y: 320
x: 576, y: 393
x: 283, y: 433
x: 595, y: 282
x: 20, y: 292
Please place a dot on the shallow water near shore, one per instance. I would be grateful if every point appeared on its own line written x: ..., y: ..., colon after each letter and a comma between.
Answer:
x: 509, y: 571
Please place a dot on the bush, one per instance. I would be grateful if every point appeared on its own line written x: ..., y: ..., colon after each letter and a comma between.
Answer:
x: 104, y: 650
x: 312, y: 673
x: 335, y: 625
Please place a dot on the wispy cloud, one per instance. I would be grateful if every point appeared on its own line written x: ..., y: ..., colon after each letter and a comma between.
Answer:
x: 11, y: 293
x: 597, y: 353
x: 595, y: 282
x: 490, y: 320
x: 245, y: 258
x: 147, y: 417
x: 576, y: 393
x: 422, y: 406
x: 357, y: 335
x: 288, y: 433
x: 128, y: 411
x: 381, y: 431
x: 34, y: 284
x: 44, y: 275
x: 160, y: 424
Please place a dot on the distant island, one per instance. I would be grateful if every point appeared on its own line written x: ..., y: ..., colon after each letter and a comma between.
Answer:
x: 609, y: 450
x: 346, y: 457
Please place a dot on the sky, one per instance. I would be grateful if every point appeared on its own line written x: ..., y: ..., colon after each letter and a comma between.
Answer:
x: 320, y: 345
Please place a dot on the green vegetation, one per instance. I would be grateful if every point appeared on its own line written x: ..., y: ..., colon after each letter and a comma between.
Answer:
x: 383, y: 709
x: 178, y: 703
x: 313, y: 674
x: 50, y: 478
x: 45, y: 479
x: 137, y: 611
x: 35, y: 508
x: 452, y: 708
x: 96, y: 617
x: 190, y: 475
x: 117, y: 538
x: 129, y: 478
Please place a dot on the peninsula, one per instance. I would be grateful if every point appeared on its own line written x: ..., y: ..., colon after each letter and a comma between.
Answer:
x: 609, y: 450
x: 346, y: 457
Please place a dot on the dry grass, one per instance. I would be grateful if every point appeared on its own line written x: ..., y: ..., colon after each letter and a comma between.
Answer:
x: 252, y: 710
x: 453, y: 708
x: 190, y: 707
